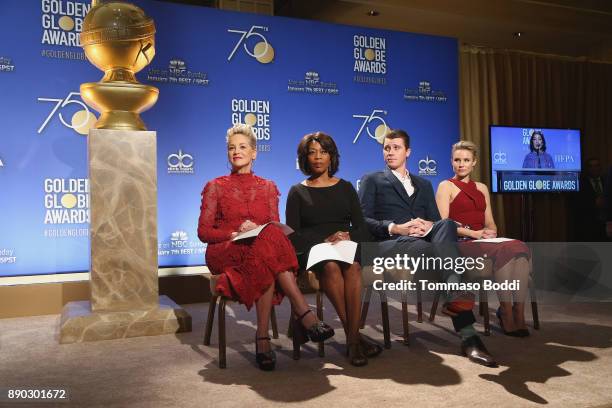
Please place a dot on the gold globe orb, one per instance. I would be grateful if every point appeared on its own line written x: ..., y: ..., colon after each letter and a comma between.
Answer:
x: 119, y: 39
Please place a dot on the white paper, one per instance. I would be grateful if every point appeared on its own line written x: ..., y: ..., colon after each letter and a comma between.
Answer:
x: 493, y: 240
x: 343, y: 251
x: 255, y: 231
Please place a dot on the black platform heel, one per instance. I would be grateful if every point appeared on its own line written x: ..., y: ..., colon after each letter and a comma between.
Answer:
x: 320, y: 331
x: 266, y: 361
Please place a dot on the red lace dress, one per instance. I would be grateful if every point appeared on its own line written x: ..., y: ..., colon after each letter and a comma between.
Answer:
x: 248, y: 267
x: 468, y: 208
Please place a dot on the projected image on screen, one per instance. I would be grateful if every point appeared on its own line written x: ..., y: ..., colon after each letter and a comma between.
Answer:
x: 534, y: 159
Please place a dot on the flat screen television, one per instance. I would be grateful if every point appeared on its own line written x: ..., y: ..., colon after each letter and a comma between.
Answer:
x: 534, y: 159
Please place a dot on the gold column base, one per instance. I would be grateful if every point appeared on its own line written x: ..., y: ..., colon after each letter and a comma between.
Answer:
x: 79, y: 324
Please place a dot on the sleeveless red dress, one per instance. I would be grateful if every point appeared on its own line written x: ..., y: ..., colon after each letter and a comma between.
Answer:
x: 468, y: 208
x: 247, y: 267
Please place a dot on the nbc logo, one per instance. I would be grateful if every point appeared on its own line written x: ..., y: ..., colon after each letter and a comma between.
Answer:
x: 179, y: 236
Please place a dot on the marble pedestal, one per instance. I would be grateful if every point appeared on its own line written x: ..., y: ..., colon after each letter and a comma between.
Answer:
x: 79, y: 323
x: 125, y: 299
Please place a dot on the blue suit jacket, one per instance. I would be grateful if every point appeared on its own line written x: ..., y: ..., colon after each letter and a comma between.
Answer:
x: 384, y: 200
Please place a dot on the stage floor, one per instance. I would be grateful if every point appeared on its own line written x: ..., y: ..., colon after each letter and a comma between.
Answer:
x: 567, y: 363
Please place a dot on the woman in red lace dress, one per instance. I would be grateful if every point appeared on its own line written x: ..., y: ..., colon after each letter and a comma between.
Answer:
x: 468, y: 203
x: 255, y: 270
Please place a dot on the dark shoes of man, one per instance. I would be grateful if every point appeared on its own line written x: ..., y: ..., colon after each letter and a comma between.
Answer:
x: 474, y: 349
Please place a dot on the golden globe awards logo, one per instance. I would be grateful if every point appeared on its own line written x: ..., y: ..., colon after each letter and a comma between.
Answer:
x: 370, y: 54
x: 527, y: 135
x: 253, y: 43
x: 62, y: 21
x: 255, y: 113
x: 66, y: 201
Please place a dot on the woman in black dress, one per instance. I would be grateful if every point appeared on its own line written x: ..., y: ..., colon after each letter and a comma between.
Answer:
x: 324, y: 208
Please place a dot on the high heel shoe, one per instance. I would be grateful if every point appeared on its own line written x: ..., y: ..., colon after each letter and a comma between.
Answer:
x: 320, y: 331
x: 266, y: 360
x: 514, y: 333
x: 356, y: 356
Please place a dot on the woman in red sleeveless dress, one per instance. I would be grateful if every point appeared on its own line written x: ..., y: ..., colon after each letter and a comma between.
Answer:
x: 468, y: 203
x: 255, y: 270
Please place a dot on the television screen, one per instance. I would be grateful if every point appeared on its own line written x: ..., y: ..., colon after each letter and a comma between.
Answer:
x: 530, y: 159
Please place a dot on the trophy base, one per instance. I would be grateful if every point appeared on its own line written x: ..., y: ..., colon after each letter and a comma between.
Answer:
x: 120, y: 103
x: 79, y: 324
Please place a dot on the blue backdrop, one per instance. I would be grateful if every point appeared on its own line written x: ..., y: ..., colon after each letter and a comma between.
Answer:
x: 287, y: 77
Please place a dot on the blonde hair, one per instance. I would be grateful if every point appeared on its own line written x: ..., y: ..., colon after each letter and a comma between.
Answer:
x: 465, y: 145
x: 242, y: 129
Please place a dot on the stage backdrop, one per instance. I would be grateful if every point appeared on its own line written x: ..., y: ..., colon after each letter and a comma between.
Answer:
x: 286, y: 77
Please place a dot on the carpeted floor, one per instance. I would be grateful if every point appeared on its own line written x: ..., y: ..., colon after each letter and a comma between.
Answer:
x: 568, y: 363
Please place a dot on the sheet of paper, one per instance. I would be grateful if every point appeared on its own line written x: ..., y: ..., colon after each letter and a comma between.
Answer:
x: 343, y: 251
x: 493, y: 240
x: 255, y: 231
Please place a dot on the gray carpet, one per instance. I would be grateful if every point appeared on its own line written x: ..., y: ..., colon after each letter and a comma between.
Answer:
x: 568, y: 363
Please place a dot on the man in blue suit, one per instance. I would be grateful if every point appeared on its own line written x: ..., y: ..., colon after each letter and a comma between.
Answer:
x: 401, y: 212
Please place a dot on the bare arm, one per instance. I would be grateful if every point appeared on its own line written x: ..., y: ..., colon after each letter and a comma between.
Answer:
x: 443, y: 196
x: 489, y: 221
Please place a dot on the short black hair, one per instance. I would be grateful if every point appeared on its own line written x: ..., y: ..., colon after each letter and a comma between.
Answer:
x: 399, y: 134
x: 327, y: 143
x: 537, y: 132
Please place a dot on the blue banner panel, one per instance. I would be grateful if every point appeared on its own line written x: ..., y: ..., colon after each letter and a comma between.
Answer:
x: 286, y: 77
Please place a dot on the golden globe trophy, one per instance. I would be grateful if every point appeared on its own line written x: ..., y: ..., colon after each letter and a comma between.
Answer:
x: 119, y: 39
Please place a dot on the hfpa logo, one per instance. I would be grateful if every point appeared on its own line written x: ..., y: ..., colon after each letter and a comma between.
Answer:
x: 428, y: 167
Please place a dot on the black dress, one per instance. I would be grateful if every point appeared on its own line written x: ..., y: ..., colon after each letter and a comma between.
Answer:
x: 315, y: 213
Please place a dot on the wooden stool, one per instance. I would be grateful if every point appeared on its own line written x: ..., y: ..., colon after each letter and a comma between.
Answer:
x: 221, y: 324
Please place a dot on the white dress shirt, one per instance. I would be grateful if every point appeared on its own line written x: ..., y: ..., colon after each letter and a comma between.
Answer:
x: 405, y: 180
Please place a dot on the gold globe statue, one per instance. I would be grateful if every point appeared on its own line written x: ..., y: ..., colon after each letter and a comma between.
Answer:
x: 119, y: 39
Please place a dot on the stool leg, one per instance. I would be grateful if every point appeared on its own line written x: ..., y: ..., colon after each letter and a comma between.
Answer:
x: 274, y: 323
x: 384, y: 308
x: 534, y: 304
x: 222, y: 357
x: 484, y: 301
x: 321, y: 345
x: 419, y: 303
x: 366, y: 306
x: 434, y: 306
x: 536, y: 318
x: 405, y: 317
x: 210, y: 320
